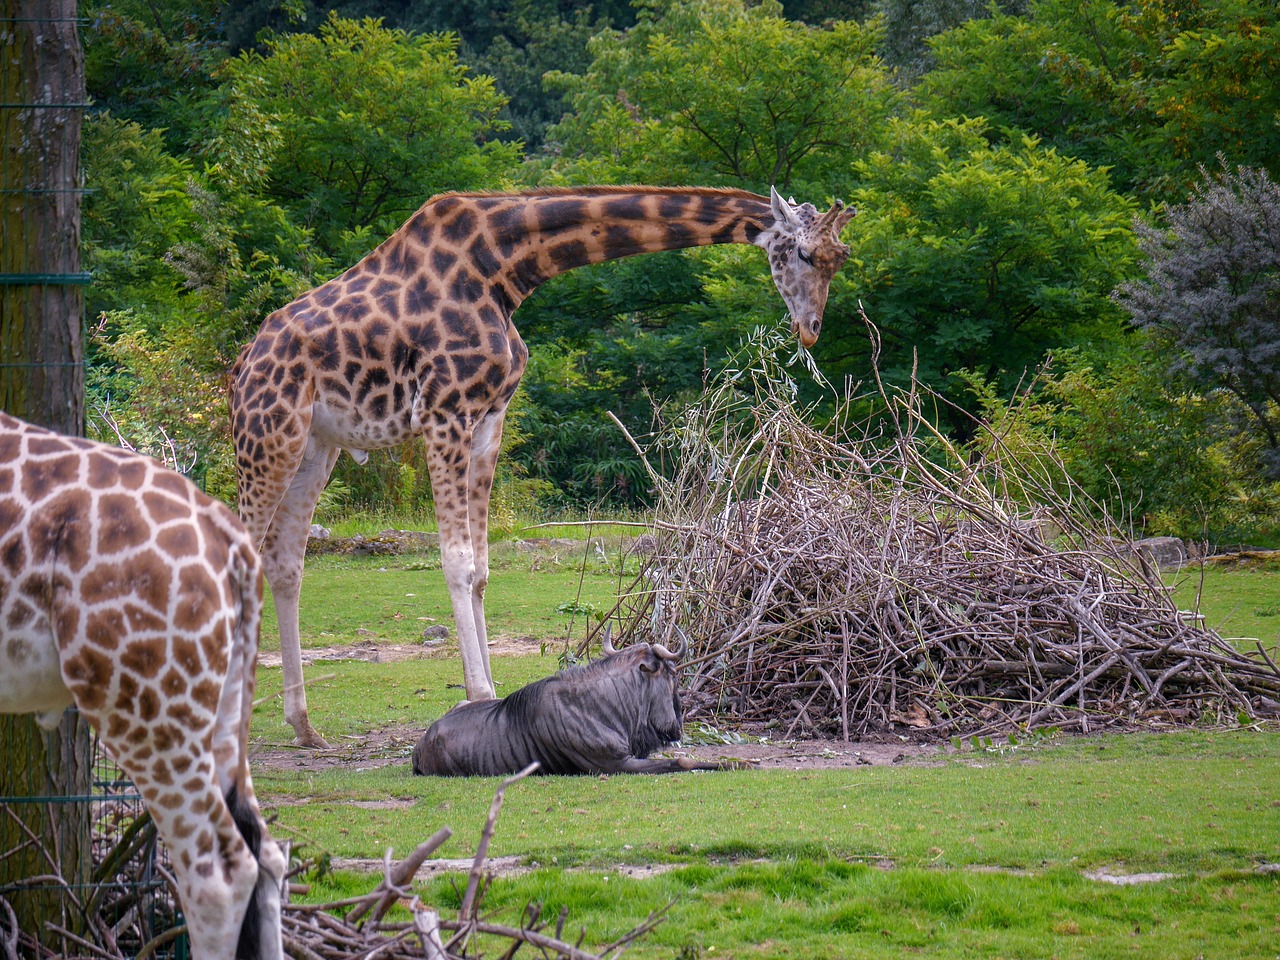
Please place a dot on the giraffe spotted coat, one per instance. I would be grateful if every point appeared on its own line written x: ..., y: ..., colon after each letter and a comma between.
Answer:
x: 128, y: 592
x: 417, y: 339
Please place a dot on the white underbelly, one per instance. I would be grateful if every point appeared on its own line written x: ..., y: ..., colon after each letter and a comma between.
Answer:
x: 30, y: 673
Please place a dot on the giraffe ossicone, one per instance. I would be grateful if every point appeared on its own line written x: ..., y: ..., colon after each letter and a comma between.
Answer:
x: 128, y: 592
x: 417, y: 339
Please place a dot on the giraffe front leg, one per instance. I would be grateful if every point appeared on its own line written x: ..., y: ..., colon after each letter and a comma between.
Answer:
x: 448, y: 458
x: 484, y: 461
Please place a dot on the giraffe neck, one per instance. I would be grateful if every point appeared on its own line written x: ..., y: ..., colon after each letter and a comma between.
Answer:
x: 523, y: 240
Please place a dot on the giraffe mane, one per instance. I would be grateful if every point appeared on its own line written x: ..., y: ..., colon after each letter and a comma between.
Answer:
x: 601, y: 190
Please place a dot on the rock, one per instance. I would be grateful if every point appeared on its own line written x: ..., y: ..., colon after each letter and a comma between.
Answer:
x: 438, y: 632
x: 318, y: 532
x: 1162, y: 551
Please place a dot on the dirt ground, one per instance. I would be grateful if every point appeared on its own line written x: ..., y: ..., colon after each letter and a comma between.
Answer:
x: 394, y: 745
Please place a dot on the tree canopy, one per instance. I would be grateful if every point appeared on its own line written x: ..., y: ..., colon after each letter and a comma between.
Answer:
x: 999, y: 154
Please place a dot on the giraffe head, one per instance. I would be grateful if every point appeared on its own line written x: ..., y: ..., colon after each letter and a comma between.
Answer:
x: 804, y: 253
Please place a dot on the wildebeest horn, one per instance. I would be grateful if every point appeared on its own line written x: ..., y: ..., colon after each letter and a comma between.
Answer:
x: 606, y: 643
x: 678, y: 652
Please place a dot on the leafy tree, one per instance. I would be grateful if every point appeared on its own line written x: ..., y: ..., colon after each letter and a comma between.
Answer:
x: 910, y: 24
x: 534, y: 42
x: 136, y: 210
x: 154, y: 63
x: 1151, y: 88
x: 716, y: 92
x: 965, y: 256
x: 369, y: 123
x: 1212, y: 292
x: 1147, y: 448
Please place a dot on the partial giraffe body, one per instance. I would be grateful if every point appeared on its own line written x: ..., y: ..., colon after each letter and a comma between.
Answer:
x: 128, y: 592
x: 417, y: 340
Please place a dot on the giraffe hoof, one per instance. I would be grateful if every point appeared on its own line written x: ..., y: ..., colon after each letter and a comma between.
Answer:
x: 311, y: 740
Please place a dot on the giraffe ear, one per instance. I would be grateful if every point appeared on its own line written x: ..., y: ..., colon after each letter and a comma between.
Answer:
x: 782, y: 211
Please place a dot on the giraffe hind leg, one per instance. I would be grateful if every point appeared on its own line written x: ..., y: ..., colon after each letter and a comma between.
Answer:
x: 283, y: 552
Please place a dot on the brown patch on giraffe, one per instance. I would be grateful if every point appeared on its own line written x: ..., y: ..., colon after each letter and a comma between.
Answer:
x: 215, y: 543
x: 88, y: 672
x: 144, y: 657
x: 6, y: 480
x: 214, y: 648
x: 150, y: 707
x: 121, y: 525
x: 173, y: 684
x: 165, y: 509
x: 104, y: 628
x: 18, y: 650
x: 59, y: 530
x: 185, y: 655
x: 206, y: 693
x: 11, y: 513
x: 144, y: 575
x: 178, y: 541
x: 39, y: 477
x: 161, y: 773
x: 20, y: 614
x: 144, y: 619
x: 183, y: 715
x: 66, y: 622
x: 10, y: 447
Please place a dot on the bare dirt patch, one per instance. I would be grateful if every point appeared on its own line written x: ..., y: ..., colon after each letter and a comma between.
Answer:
x: 374, y: 650
x: 394, y: 745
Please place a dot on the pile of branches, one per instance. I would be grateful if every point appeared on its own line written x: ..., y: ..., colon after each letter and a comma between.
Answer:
x: 358, y: 927
x: 846, y: 581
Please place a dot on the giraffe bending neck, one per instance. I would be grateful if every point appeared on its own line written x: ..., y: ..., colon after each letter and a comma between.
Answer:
x: 544, y: 233
x: 417, y: 340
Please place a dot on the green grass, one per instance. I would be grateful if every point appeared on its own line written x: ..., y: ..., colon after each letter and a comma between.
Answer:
x: 987, y: 848
x: 1177, y: 802
x: 1239, y: 602
x: 530, y: 593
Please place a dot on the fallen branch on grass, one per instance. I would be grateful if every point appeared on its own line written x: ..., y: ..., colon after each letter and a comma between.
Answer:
x: 341, y: 930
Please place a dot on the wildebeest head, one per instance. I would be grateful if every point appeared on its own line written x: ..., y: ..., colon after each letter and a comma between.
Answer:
x: 657, y: 689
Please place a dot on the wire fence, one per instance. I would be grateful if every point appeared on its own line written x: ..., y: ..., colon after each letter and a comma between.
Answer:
x: 122, y: 902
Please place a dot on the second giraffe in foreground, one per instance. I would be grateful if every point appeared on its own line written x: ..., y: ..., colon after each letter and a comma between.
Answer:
x: 417, y: 340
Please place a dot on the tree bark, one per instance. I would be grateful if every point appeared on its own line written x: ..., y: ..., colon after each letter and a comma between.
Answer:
x: 42, y: 380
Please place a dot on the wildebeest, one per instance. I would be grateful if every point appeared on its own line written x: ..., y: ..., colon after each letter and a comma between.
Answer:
x: 606, y: 716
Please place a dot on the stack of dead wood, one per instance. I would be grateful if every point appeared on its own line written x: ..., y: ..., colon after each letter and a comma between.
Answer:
x: 841, y: 581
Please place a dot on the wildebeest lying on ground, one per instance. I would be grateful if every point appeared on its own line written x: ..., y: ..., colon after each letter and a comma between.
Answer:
x: 604, y: 717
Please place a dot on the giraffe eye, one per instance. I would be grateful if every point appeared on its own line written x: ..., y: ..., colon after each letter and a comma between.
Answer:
x: 805, y: 256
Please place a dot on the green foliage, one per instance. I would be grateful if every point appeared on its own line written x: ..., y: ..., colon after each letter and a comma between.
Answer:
x: 153, y: 63
x: 1153, y: 89
x: 365, y: 123
x: 136, y: 210
x: 1211, y: 295
x: 718, y: 92
x: 1145, y: 449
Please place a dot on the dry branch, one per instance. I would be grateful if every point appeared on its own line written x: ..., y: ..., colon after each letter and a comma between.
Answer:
x: 848, y: 580
x: 355, y: 928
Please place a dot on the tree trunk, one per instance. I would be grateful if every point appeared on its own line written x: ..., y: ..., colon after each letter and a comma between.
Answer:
x: 42, y: 380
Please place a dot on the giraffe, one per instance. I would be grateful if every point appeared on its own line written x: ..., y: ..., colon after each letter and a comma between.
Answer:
x: 128, y: 592
x: 417, y: 340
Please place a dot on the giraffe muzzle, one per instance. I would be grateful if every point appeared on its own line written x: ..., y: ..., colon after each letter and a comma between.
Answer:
x: 806, y: 331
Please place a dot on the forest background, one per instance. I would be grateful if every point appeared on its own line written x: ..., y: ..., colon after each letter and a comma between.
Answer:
x: 1068, y: 222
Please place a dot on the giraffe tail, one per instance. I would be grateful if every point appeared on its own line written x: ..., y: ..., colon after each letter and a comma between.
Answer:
x: 260, y: 932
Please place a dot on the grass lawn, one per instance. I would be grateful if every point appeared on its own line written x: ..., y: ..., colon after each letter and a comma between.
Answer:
x: 969, y: 855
